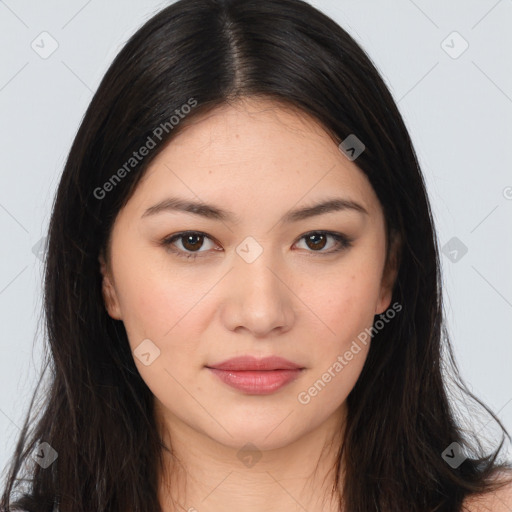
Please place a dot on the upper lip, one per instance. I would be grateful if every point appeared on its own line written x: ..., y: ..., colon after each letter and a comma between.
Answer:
x: 253, y: 363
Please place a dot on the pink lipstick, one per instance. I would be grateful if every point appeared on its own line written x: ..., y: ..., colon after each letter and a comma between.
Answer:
x: 256, y: 376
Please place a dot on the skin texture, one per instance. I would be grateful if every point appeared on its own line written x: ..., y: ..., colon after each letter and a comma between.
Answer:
x: 257, y: 159
x: 497, y: 501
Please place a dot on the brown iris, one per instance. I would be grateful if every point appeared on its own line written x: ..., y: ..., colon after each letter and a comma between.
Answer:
x: 190, y: 245
x: 316, y: 244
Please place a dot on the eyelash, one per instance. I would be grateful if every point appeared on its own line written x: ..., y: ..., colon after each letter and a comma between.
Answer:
x: 343, y: 241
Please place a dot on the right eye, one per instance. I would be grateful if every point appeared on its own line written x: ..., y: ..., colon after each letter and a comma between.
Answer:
x: 190, y: 242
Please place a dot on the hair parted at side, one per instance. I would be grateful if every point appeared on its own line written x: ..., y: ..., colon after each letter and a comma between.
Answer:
x: 97, y: 412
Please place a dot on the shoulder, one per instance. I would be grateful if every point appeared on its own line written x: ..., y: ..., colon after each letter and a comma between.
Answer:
x: 499, y: 500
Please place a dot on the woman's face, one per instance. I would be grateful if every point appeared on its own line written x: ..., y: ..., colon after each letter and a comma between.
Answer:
x: 265, y: 275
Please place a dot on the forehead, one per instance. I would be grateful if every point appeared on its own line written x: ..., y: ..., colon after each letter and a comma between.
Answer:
x: 249, y: 125
x: 257, y: 150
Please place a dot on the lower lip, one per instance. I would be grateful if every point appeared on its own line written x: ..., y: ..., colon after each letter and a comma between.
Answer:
x: 257, y: 382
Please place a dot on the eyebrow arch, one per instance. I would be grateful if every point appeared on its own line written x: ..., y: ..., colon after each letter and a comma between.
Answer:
x: 214, y: 212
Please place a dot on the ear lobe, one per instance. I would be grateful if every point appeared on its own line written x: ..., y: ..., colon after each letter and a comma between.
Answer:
x: 108, y: 291
x: 390, y: 274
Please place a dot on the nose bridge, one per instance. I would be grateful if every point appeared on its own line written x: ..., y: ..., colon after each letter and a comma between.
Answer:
x: 257, y: 298
x: 255, y: 271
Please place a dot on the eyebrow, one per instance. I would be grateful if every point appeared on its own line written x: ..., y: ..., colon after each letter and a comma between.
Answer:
x: 209, y: 211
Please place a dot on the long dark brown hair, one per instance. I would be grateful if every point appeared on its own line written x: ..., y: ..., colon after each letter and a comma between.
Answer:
x: 95, y: 410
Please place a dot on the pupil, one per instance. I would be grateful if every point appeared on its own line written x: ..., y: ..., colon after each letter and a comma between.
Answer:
x: 317, y: 244
x: 188, y: 239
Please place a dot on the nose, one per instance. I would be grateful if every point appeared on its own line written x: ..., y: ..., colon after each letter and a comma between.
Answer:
x: 258, y: 297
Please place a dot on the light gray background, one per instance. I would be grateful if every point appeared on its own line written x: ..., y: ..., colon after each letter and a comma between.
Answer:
x: 458, y: 109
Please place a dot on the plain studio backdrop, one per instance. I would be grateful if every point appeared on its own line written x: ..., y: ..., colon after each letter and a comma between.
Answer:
x: 448, y: 67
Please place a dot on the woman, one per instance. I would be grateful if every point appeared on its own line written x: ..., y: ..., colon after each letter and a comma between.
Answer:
x: 242, y: 287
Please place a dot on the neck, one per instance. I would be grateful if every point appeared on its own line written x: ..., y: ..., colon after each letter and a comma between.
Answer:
x: 203, y: 475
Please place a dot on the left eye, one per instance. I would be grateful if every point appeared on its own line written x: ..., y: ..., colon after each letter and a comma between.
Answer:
x: 192, y: 241
x: 318, y: 240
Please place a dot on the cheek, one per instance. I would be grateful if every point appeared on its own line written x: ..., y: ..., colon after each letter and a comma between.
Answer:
x: 345, y: 303
x: 163, y: 309
x: 338, y: 351
x: 171, y: 311
x: 154, y: 297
